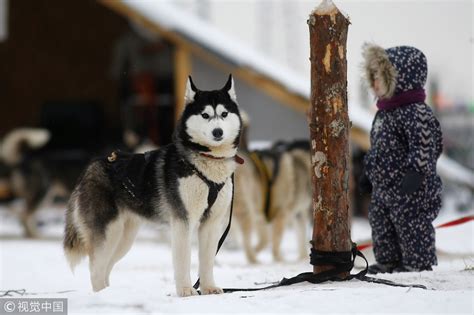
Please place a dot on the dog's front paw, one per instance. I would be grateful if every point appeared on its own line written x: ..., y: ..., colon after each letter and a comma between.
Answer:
x: 186, y: 291
x: 98, y: 287
x: 212, y: 290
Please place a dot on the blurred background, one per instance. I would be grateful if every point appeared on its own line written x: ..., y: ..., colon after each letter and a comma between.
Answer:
x: 101, y: 75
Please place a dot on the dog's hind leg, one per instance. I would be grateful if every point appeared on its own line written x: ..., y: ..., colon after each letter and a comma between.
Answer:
x: 300, y: 226
x: 101, y: 253
x: 28, y: 219
x: 262, y: 232
x: 130, y: 230
x: 30, y: 187
x: 246, y: 225
x: 278, y: 228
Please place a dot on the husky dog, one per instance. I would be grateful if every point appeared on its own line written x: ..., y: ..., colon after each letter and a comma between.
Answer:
x: 273, y: 189
x: 187, y: 183
x: 36, y: 175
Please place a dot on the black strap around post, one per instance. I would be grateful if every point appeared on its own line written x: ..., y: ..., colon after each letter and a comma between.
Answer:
x: 342, y: 262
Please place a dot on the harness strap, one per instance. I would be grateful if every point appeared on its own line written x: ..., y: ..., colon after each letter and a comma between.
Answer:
x: 214, y: 189
x: 266, y: 183
x: 227, y: 229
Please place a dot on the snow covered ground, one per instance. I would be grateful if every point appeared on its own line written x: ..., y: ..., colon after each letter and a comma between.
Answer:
x: 142, y: 282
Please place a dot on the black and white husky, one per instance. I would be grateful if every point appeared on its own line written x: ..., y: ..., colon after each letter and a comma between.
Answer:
x: 186, y: 183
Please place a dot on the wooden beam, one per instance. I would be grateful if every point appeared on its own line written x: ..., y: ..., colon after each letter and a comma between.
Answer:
x: 182, y: 69
x: 273, y: 89
x: 125, y: 10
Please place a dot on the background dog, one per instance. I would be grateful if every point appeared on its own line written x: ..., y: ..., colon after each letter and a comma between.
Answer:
x: 186, y: 183
x: 273, y: 189
x: 36, y: 174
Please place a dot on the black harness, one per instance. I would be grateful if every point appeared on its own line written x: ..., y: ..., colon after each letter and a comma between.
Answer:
x: 214, y: 189
x: 129, y: 170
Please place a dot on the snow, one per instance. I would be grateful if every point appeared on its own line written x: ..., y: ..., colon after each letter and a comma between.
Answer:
x: 142, y: 283
x: 455, y: 172
x: 327, y: 7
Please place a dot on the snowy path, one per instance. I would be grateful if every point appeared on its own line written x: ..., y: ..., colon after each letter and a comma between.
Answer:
x: 143, y: 281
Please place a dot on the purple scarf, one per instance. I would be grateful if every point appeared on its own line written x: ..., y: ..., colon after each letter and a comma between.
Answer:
x: 402, y: 99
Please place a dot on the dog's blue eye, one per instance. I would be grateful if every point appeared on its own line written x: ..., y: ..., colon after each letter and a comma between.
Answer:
x: 224, y: 114
x: 205, y: 116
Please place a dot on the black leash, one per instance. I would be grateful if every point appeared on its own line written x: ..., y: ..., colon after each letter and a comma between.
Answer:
x: 23, y: 292
x: 20, y: 292
x: 343, y: 262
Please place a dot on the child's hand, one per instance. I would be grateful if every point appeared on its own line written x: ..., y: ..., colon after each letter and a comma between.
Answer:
x: 411, y: 182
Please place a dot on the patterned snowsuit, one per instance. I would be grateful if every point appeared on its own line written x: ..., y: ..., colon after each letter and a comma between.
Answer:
x: 405, y: 140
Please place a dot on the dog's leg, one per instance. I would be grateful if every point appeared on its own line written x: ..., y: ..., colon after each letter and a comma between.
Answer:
x: 208, y: 239
x: 245, y: 223
x: 28, y: 219
x: 124, y: 244
x: 181, y: 248
x: 300, y: 227
x: 101, y: 254
x: 278, y: 228
x: 262, y: 232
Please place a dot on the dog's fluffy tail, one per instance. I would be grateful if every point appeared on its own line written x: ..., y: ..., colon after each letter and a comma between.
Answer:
x: 74, y: 246
x: 18, y: 141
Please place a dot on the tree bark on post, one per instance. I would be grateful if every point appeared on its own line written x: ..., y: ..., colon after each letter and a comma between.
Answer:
x: 329, y: 130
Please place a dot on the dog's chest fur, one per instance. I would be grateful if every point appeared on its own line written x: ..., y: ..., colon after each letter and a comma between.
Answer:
x: 194, y: 192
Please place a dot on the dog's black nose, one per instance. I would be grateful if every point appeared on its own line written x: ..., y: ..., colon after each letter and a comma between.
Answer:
x: 217, y: 133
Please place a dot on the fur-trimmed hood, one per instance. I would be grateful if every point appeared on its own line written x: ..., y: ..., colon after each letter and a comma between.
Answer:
x: 400, y: 69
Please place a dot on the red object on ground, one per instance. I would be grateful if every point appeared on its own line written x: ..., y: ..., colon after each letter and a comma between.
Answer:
x: 456, y: 222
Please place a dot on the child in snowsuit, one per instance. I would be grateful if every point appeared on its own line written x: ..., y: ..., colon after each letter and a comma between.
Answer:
x: 406, y: 142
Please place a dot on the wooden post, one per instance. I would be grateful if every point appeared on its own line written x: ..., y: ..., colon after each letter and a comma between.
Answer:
x: 329, y: 129
x: 182, y: 69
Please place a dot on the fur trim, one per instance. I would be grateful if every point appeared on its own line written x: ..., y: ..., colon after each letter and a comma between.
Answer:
x: 15, y: 142
x: 377, y: 65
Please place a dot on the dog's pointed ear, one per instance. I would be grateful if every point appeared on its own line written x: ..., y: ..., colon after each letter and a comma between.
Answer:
x: 229, y: 88
x: 191, y: 90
